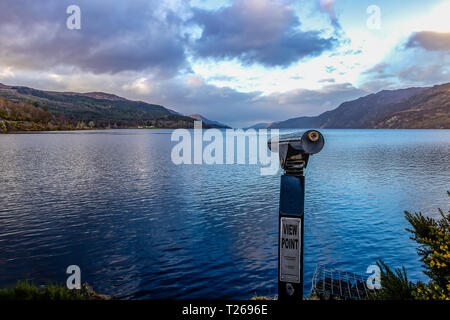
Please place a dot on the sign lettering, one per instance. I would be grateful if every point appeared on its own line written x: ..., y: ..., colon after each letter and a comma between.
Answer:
x: 290, y: 237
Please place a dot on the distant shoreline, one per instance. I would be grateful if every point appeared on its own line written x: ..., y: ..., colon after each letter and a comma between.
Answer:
x: 134, y: 128
x: 75, y: 129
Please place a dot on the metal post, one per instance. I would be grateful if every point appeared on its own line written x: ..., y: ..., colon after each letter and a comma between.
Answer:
x: 290, y: 246
x: 294, y: 151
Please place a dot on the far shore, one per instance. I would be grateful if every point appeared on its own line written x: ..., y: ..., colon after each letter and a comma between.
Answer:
x: 155, y: 128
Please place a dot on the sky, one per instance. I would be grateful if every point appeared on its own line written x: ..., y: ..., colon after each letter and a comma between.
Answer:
x: 240, y: 62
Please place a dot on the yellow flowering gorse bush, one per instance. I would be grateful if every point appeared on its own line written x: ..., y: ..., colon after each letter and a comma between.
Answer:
x: 434, y: 244
x: 433, y: 237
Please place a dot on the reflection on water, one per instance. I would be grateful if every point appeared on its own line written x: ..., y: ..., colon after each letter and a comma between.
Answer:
x: 141, y: 227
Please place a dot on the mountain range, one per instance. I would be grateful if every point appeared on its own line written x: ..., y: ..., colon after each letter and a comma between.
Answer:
x: 23, y: 108
x: 411, y: 108
x: 71, y: 110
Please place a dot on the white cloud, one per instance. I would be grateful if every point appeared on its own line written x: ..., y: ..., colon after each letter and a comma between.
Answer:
x: 139, y: 86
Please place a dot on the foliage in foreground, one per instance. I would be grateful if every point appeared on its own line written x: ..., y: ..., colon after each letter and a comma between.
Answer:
x: 262, y: 298
x: 433, y: 238
x: 395, y: 284
x: 25, y: 290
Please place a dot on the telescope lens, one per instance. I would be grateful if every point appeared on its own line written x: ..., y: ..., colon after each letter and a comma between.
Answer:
x: 313, y: 136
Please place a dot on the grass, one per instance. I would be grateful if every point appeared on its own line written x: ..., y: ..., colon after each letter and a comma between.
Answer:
x: 25, y: 290
x: 262, y: 298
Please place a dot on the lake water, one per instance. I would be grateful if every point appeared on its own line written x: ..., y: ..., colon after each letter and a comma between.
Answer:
x: 141, y: 227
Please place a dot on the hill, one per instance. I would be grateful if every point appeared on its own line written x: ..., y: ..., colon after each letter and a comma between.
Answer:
x: 97, y: 109
x: 210, y: 123
x: 262, y: 125
x: 403, y: 108
x: 429, y: 109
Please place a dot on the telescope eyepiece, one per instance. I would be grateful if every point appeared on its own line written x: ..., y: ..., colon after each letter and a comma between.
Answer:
x: 312, y: 142
x: 313, y: 136
x: 307, y: 143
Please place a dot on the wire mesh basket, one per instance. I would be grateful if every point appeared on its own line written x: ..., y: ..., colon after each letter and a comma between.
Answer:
x: 330, y: 283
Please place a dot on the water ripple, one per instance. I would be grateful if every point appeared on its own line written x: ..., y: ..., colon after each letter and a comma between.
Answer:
x: 140, y: 227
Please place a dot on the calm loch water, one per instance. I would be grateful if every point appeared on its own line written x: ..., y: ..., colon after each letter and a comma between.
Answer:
x: 140, y: 227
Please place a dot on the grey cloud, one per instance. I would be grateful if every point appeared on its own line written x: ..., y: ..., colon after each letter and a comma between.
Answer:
x: 405, y: 71
x: 379, y: 71
x: 378, y: 85
x: 422, y: 61
x: 256, y: 31
x: 435, y: 72
x: 242, y: 109
x: 114, y: 37
x: 313, y: 102
x: 330, y: 80
x: 149, y: 35
x: 430, y: 40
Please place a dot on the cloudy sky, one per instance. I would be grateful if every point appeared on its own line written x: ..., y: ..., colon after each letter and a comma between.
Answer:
x: 235, y: 61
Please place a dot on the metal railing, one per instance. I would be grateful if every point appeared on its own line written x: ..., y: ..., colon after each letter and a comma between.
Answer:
x: 329, y: 283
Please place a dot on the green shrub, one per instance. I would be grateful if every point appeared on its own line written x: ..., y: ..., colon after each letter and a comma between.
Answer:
x: 433, y: 238
x: 395, y: 284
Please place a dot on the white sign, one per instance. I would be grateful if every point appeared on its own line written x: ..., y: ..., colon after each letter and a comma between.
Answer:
x: 290, y: 246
